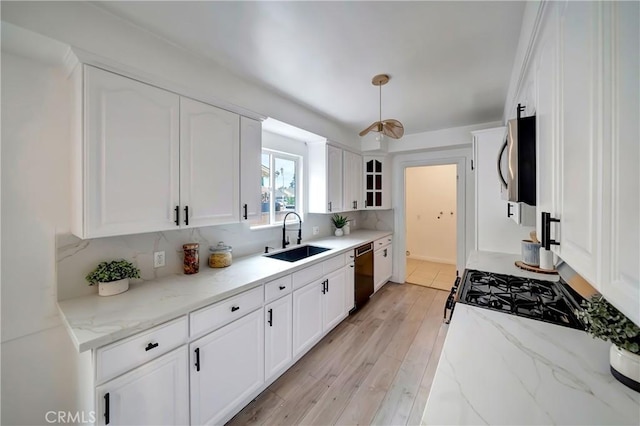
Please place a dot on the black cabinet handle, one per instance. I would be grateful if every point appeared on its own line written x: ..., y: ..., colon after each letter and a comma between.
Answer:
x: 385, y: 253
x: 546, y: 231
x: 509, y: 213
x: 324, y: 288
x: 186, y: 215
x: 330, y: 206
x: 177, y: 210
x: 106, y: 408
x: 472, y: 168
x: 234, y: 308
x: 327, y: 281
x: 197, y: 351
x: 270, y: 320
x: 151, y: 346
x: 245, y: 212
x: 282, y: 287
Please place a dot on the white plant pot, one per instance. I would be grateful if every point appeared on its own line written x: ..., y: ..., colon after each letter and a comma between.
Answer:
x: 625, y: 367
x: 339, y: 232
x: 113, y: 288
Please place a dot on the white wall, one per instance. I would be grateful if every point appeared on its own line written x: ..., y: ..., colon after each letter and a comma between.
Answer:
x: 431, y: 213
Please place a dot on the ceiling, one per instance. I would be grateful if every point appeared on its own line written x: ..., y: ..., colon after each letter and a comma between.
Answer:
x: 449, y: 62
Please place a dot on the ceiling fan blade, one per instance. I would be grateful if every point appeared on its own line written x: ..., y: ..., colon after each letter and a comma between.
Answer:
x: 370, y: 128
x: 393, y: 128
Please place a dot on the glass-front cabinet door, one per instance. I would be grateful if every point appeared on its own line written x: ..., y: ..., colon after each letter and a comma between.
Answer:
x: 376, y: 183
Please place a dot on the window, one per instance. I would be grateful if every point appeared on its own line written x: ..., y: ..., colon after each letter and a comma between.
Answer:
x: 281, y: 192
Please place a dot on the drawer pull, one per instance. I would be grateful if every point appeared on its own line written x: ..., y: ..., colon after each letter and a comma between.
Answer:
x: 197, y: 351
x: 151, y: 346
x: 270, y: 320
x: 234, y: 308
x: 106, y: 408
x: 282, y: 287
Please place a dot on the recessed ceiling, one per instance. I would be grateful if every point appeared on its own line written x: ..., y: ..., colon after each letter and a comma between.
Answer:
x: 449, y: 62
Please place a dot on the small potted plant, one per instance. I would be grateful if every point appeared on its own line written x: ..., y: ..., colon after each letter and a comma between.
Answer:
x: 113, y: 277
x: 339, y: 222
x: 607, y: 323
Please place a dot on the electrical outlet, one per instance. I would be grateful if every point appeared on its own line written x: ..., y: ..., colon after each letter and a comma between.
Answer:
x: 158, y: 259
x: 316, y: 230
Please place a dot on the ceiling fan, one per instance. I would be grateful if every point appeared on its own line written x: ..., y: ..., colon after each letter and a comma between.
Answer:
x: 390, y: 127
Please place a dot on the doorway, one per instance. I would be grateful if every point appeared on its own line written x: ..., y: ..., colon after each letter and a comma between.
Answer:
x: 431, y: 218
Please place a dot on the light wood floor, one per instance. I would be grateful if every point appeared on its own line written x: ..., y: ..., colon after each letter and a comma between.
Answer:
x: 376, y: 367
x: 431, y: 274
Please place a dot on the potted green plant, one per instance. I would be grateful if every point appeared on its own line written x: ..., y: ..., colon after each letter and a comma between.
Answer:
x: 339, y: 222
x: 605, y: 322
x: 113, y: 277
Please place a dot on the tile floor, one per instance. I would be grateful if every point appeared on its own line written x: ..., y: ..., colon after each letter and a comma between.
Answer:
x: 431, y: 274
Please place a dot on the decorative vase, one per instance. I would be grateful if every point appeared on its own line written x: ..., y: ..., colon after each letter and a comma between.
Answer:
x: 625, y: 367
x: 347, y: 229
x: 339, y: 232
x: 114, y: 287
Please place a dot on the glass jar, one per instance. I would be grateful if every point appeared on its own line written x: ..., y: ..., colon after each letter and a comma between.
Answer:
x: 191, y: 258
x: 220, y: 255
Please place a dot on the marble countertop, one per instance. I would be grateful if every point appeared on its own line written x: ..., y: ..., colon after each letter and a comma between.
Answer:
x: 94, y: 321
x: 497, y: 368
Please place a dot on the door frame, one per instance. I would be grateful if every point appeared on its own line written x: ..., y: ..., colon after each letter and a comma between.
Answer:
x: 400, y: 207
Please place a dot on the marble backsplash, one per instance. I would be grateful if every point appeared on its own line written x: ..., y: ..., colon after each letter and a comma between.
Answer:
x: 76, y: 257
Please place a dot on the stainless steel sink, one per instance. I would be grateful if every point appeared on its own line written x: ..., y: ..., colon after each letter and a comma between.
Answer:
x: 298, y: 253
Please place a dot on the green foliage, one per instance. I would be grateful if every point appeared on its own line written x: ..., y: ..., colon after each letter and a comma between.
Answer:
x: 339, y: 221
x: 113, y: 271
x: 607, y: 323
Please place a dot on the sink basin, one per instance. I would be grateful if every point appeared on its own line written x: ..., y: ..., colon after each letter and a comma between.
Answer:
x: 298, y: 253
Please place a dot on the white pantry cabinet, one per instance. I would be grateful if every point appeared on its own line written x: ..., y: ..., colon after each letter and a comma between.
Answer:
x: 209, y: 164
x: 278, y: 335
x: 325, y: 178
x: 227, y: 366
x: 250, y: 170
x: 154, y: 394
x: 126, y: 156
x: 352, y: 177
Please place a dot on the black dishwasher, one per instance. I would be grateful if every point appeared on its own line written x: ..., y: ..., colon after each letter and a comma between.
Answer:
x: 363, y: 275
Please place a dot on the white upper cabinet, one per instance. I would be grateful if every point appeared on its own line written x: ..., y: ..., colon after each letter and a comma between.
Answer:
x: 209, y: 164
x: 126, y: 157
x: 250, y: 170
x: 325, y: 178
x: 352, y: 177
x: 377, y: 183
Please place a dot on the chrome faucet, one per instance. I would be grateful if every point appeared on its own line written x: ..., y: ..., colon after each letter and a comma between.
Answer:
x: 285, y: 239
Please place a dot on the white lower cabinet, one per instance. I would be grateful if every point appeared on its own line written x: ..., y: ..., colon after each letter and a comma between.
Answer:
x: 307, y: 316
x: 333, y: 300
x: 382, y: 266
x: 278, y: 335
x: 154, y: 394
x: 350, y: 285
x: 227, y: 367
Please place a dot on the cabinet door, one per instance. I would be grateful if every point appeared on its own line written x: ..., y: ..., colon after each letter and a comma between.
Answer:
x: 307, y: 316
x: 622, y: 285
x: 387, y: 263
x: 334, y: 299
x: 209, y: 164
x: 578, y: 199
x: 278, y: 335
x: 352, y: 173
x: 376, y: 183
x: 251, y: 171
x: 154, y: 394
x: 226, y: 367
x: 131, y: 156
x: 378, y: 269
x: 334, y: 178
x: 350, y: 290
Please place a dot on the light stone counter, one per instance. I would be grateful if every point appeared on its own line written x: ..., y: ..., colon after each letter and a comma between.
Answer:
x: 502, y: 369
x: 94, y: 321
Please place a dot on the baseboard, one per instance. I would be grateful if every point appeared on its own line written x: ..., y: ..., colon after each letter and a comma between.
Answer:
x: 432, y: 259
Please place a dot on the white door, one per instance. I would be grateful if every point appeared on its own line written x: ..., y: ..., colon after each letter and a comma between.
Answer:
x: 155, y: 393
x: 578, y: 199
x: 250, y: 168
x: 278, y: 335
x: 307, y: 316
x: 226, y: 366
x: 334, y: 178
x: 209, y: 165
x: 334, y: 299
x: 352, y: 176
x: 131, y: 179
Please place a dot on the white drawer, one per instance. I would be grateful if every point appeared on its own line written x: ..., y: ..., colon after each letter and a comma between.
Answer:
x: 221, y: 313
x: 381, y: 242
x: 307, y: 275
x: 126, y: 354
x: 277, y: 288
x: 333, y: 264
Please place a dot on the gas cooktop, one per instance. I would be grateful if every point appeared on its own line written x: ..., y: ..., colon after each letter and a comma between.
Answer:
x: 548, y: 301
